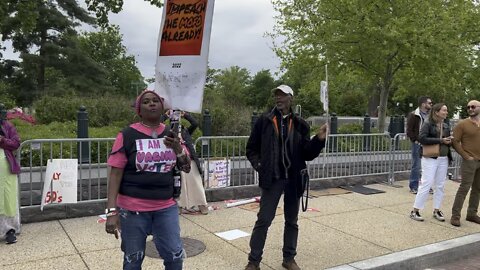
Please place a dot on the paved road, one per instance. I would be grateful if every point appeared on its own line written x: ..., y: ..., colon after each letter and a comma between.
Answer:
x: 469, y: 263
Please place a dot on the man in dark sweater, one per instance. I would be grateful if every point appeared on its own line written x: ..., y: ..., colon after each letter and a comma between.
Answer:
x: 415, y: 122
x: 278, y: 147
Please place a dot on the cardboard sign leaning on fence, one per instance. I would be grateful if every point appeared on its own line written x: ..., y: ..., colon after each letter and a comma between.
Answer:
x: 60, y: 184
x: 217, y: 172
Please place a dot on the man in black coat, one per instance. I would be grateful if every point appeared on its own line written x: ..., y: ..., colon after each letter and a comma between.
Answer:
x: 278, y: 147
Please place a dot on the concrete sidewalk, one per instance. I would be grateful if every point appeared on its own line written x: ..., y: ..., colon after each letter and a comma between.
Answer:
x: 349, y: 231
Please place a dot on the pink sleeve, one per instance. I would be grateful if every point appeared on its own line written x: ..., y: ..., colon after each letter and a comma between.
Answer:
x: 118, y: 159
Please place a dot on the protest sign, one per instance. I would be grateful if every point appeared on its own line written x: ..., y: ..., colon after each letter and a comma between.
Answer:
x: 60, y: 184
x: 183, y: 44
x: 217, y: 172
x: 324, y: 95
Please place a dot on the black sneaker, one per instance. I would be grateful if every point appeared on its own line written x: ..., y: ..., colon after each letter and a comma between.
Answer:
x: 10, y: 237
x: 413, y: 191
x: 438, y: 215
x: 415, y: 215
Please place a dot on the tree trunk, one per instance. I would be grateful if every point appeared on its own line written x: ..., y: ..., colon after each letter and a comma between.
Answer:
x: 382, y: 108
x: 385, y: 87
x: 41, y: 64
x: 374, y: 101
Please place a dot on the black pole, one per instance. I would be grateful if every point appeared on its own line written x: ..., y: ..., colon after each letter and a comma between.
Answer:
x: 333, y: 130
x: 366, y: 130
x: 254, y: 119
x: 207, y: 131
x: 82, y: 132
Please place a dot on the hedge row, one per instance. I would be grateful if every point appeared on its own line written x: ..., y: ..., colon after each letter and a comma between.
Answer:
x: 102, y: 111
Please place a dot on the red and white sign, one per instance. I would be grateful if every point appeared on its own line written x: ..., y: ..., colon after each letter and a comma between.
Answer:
x: 183, y: 44
x: 60, y: 184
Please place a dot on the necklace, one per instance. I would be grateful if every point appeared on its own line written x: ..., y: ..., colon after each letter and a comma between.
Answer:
x: 153, y: 128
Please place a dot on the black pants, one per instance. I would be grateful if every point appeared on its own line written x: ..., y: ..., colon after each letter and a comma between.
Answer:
x: 268, y: 206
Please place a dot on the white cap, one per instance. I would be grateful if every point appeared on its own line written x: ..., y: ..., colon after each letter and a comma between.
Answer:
x: 285, y: 89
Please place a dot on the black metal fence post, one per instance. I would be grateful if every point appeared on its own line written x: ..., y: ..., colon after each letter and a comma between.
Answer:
x: 207, y: 131
x: 366, y: 130
x: 396, y: 126
x: 82, y: 132
x: 254, y: 118
x: 333, y: 130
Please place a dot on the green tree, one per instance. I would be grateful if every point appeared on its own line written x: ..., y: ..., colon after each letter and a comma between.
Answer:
x: 233, y: 83
x: 105, y: 47
x: 101, y: 8
x: 380, y: 39
x: 224, y: 97
x: 17, y: 14
x: 259, y: 92
x: 5, y: 97
x: 51, y: 57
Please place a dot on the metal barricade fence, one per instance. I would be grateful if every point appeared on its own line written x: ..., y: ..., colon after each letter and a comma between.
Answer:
x: 347, y: 155
x: 223, y: 160
x: 92, y: 169
x: 350, y: 155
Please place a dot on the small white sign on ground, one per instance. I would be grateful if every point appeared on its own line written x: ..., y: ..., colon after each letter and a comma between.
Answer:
x: 232, y: 235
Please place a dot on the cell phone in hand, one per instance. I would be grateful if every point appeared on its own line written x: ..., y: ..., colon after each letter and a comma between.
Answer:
x: 171, y: 134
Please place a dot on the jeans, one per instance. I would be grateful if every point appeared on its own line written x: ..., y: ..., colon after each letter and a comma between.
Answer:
x: 434, y: 174
x: 268, y: 206
x: 163, y: 225
x: 415, y: 173
x: 470, y: 179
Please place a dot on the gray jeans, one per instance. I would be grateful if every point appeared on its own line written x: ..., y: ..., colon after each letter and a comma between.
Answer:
x: 470, y: 179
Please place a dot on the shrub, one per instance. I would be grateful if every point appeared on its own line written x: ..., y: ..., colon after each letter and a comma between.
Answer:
x: 351, y: 128
x: 57, y: 130
x: 102, y: 111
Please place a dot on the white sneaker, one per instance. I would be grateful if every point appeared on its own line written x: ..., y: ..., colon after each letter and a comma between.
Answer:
x: 438, y: 215
x: 415, y: 215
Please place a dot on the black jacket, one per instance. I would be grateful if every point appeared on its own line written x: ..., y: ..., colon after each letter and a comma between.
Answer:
x: 187, y: 137
x: 429, y: 135
x: 263, y: 149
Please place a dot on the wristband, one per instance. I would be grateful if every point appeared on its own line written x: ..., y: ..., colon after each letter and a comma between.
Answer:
x: 111, y: 214
x: 109, y: 210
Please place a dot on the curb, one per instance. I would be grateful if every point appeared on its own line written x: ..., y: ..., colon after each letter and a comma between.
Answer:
x: 420, y: 257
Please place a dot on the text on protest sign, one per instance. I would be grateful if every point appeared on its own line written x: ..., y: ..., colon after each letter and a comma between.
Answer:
x: 60, y: 184
x: 154, y: 156
x: 183, y: 28
x: 182, y: 53
x: 218, y: 173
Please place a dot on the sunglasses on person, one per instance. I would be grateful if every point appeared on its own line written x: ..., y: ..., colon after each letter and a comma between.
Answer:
x: 471, y: 107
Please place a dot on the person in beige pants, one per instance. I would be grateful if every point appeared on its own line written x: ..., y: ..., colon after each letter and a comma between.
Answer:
x: 192, y: 193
